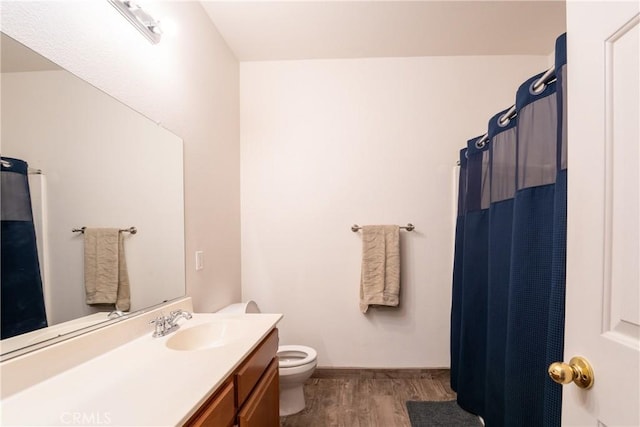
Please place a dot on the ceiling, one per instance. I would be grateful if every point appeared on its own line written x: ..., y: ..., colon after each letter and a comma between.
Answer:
x: 282, y: 30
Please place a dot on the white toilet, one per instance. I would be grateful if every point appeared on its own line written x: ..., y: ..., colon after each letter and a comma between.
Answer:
x: 296, y: 363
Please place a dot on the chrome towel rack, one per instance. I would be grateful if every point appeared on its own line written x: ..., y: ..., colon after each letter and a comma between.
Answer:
x: 131, y: 230
x: 408, y: 227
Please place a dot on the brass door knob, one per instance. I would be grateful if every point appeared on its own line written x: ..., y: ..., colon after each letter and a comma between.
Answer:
x: 578, y: 370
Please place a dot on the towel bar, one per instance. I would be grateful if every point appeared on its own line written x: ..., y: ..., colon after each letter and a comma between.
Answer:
x: 408, y: 227
x: 131, y: 230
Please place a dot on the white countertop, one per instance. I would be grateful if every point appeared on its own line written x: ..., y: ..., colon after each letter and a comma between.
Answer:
x: 141, y: 383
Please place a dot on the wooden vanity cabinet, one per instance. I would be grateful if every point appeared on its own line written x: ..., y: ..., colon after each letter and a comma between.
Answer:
x: 262, y: 408
x: 250, y: 396
x: 218, y: 411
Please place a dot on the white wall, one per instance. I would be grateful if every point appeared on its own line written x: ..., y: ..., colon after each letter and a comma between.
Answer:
x: 104, y: 165
x: 329, y: 143
x: 189, y: 82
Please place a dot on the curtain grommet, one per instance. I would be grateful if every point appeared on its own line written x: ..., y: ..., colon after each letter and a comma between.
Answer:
x: 532, y: 88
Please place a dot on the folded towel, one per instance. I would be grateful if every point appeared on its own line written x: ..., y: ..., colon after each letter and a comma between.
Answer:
x: 380, y: 280
x: 105, y: 268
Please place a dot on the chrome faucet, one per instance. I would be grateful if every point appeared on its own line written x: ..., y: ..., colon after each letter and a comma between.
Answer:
x: 164, y: 325
x: 115, y: 314
x: 178, y: 314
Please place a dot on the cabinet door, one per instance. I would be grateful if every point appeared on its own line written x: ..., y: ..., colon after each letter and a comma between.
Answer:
x: 262, y: 407
x: 217, y: 412
x: 254, y: 366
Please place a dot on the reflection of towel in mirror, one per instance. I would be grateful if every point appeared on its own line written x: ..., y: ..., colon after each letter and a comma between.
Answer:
x: 106, y: 279
x: 380, y: 280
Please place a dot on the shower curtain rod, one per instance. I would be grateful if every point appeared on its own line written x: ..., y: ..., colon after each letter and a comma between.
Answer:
x: 546, y: 78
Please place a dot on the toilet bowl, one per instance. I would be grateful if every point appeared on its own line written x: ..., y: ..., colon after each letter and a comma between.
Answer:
x: 296, y: 364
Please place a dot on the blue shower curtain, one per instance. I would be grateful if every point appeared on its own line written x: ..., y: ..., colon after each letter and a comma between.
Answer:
x: 502, y: 155
x: 507, y: 316
x: 555, y: 329
x: 456, y: 298
x: 21, y: 295
x: 473, y: 301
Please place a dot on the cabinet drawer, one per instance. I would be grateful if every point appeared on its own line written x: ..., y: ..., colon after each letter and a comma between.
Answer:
x: 249, y: 373
x: 219, y: 411
x: 262, y: 408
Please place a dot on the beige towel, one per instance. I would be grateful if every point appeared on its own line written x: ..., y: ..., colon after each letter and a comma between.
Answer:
x: 105, y: 268
x: 380, y: 280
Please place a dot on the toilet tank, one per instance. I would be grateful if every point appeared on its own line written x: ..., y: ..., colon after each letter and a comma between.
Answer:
x: 240, y: 307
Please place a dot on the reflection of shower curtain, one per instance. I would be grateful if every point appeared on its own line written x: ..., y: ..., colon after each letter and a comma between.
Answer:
x: 38, y: 192
x: 509, y: 269
x: 21, y: 287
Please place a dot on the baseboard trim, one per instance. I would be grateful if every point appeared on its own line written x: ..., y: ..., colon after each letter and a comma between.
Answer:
x: 380, y: 373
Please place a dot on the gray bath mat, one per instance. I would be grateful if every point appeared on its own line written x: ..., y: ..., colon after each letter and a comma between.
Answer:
x: 440, y: 414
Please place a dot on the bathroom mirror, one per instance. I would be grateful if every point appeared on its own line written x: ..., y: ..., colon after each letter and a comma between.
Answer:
x: 93, y: 162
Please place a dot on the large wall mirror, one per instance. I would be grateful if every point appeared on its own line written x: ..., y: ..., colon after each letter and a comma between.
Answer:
x: 92, y: 162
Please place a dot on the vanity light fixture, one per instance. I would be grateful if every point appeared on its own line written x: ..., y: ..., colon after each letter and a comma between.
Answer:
x: 145, y: 23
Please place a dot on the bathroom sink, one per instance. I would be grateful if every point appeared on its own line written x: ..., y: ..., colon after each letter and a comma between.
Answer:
x: 208, y: 335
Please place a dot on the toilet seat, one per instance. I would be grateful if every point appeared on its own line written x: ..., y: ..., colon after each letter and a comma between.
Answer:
x: 291, y: 356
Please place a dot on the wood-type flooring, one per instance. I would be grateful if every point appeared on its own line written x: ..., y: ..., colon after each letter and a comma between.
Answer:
x: 367, y: 397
